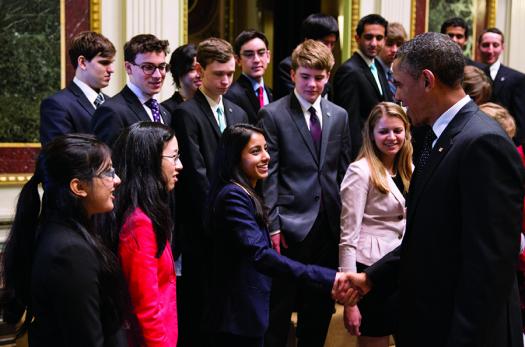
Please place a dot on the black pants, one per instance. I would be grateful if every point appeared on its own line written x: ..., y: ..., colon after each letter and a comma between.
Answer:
x: 314, y: 308
x: 231, y: 340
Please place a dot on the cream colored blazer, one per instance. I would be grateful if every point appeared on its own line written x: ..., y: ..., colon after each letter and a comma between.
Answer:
x: 372, y: 223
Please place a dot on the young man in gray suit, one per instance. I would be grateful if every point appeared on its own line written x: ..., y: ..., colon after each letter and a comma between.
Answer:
x: 309, y: 145
x: 70, y: 110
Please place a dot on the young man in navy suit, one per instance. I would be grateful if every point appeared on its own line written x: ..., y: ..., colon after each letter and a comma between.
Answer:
x: 360, y: 83
x: 249, y: 91
x: 70, y: 110
x: 456, y: 266
x: 309, y: 146
x: 145, y: 62
x: 198, y: 124
x: 508, y: 85
x: 457, y: 29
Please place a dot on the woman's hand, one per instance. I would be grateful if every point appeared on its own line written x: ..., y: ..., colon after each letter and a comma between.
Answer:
x: 352, y: 320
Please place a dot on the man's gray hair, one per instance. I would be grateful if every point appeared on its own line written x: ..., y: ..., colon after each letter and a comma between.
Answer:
x: 435, y: 52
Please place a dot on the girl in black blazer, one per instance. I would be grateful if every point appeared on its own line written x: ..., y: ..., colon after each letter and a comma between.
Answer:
x: 55, y: 265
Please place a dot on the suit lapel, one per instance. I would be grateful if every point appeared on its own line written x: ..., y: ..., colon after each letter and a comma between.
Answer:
x: 299, y: 121
x: 206, y: 110
x: 81, y: 98
x: 135, y: 105
x: 245, y: 83
x: 395, y: 191
x: 326, y: 128
x: 441, y: 148
x: 228, y: 112
x: 368, y: 74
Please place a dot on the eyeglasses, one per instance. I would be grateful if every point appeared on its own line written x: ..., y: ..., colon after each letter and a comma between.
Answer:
x: 109, y: 173
x: 174, y: 157
x: 251, y: 54
x: 149, y: 69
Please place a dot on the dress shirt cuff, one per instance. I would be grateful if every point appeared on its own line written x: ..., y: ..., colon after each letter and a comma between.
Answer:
x: 275, y: 232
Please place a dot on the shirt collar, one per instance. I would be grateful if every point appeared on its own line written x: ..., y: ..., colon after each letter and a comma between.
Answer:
x: 255, y: 84
x: 442, y: 122
x: 494, y: 69
x: 214, y: 105
x: 367, y: 60
x: 138, y: 92
x: 89, y: 92
x: 305, y: 105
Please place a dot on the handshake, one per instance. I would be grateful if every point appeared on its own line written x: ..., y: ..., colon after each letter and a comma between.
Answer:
x: 350, y: 287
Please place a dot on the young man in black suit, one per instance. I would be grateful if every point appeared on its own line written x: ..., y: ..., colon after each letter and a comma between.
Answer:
x: 508, y: 85
x: 145, y: 62
x: 198, y: 124
x: 309, y: 146
x: 70, y: 110
x: 360, y: 83
x: 456, y: 266
x: 319, y: 27
x: 249, y: 91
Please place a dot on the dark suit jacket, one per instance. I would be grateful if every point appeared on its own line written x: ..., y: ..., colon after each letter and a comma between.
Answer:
x: 67, y: 111
x: 242, y: 94
x: 198, y: 134
x: 457, y: 262
x: 173, y: 102
x: 298, y: 177
x: 508, y: 90
x: 285, y: 84
x: 243, y: 262
x: 355, y: 90
x: 66, y: 296
x: 123, y: 110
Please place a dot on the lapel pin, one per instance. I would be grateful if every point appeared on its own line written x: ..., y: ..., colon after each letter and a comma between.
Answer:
x: 328, y: 114
x: 229, y: 109
x: 502, y: 79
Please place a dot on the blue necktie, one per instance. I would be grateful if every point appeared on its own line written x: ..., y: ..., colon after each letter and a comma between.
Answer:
x: 155, y: 109
x: 221, y: 120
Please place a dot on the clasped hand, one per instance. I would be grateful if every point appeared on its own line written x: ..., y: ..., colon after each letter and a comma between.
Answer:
x: 350, y: 287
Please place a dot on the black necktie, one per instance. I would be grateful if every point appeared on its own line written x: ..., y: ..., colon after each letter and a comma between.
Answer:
x: 99, y: 100
x: 315, y: 128
x: 425, y: 152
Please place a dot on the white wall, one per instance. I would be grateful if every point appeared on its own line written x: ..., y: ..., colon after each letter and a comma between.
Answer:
x: 123, y: 19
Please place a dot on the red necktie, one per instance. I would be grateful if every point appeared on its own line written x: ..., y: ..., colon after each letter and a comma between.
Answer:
x: 261, y: 96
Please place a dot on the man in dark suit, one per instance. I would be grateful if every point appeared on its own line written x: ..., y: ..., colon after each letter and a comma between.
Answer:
x: 145, y: 62
x: 249, y: 91
x: 198, y: 124
x: 508, y: 85
x: 360, y: 83
x: 319, y: 27
x: 456, y: 266
x: 309, y: 145
x: 457, y: 29
x: 70, y: 110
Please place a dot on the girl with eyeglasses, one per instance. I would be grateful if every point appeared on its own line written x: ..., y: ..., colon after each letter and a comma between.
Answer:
x: 55, y: 265
x: 147, y: 156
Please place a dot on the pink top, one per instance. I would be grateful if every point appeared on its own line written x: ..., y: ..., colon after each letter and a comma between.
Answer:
x: 151, y: 281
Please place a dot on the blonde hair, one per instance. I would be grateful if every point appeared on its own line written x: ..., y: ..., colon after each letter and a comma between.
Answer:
x: 369, y: 150
x: 313, y: 55
x: 477, y: 84
x: 500, y: 115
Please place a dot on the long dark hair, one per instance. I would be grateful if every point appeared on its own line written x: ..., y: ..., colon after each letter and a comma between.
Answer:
x: 228, y: 160
x: 63, y: 159
x: 137, y: 157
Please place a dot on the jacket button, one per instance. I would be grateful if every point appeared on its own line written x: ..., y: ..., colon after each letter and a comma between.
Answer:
x: 316, y: 198
x: 400, y: 236
x: 400, y: 217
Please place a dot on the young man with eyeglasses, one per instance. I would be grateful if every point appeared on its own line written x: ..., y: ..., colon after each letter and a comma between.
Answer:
x: 71, y: 109
x: 249, y: 91
x: 198, y: 123
x: 145, y: 62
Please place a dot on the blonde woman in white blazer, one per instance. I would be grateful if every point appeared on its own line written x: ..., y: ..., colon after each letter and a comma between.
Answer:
x: 373, y: 213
